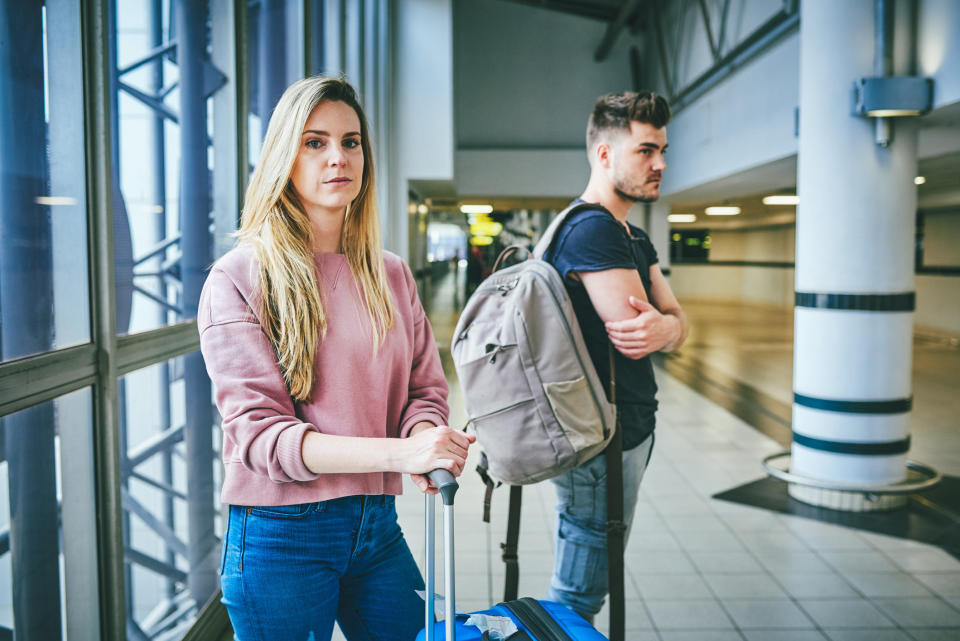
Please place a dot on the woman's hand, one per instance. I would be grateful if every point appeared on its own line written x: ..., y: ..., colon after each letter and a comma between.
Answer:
x: 430, y: 447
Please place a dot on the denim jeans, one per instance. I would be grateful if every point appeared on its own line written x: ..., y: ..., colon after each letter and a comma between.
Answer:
x: 288, y: 572
x: 580, y: 568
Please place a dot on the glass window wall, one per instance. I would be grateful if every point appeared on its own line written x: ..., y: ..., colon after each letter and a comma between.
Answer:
x: 171, y: 478
x: 44, y: 491
x: 165, y: 84
x: 44, y: 302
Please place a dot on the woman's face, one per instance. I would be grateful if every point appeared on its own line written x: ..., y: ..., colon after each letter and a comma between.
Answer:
x: 328, y: 172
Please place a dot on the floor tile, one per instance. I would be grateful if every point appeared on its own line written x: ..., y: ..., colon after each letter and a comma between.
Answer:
x: 792, y: 561
x: 887, y: 584
x: 925, y: 560
x: 934, y: 634
x: 712, y: 540
x: 845, y: 613
x: 744, y: 586
x: 943, y: 583
x: 821, y: 586
x: 858, y: 561
x: 700, y: 635
x: 725, y: 562
x: 920, y: 613
x: 688, y: 615
x: 665, y: 562
x: 783, y: 635
x: 766, y: 613
x: 672, y: 586
x: 867, y: 634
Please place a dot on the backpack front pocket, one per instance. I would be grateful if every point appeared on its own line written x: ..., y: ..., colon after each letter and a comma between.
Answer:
x: 573, y: 405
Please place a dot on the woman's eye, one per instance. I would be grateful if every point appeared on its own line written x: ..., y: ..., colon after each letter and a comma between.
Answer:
x: 351, y: 143
x: 315, y: 144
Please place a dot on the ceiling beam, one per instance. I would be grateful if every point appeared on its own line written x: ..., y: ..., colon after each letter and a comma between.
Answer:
x: 627, y: 9
x: 594, y: 11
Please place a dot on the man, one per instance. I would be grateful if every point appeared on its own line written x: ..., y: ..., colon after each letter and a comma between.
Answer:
x: 619, y: 295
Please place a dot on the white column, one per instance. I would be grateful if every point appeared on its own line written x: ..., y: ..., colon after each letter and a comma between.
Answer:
x: 854, y: 269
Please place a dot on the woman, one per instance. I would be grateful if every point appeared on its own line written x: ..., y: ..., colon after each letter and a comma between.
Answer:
x: 329, y: 384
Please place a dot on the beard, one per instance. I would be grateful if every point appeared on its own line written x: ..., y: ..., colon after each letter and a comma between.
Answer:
x: 636, y: 198
x: 634, y: 192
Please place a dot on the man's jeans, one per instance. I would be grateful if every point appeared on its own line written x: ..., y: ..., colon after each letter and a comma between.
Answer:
x: 289, y: 571
x: 580, y: 574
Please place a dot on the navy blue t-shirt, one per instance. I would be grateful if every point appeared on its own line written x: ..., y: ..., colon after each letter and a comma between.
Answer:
x: 593, y: 240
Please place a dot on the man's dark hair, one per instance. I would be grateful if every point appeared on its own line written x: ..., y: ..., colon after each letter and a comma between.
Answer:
x: 614, y: 111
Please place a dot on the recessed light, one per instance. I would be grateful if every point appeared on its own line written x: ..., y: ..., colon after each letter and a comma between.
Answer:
x: 476, y: 209
x: 726, y: 210
x: 919, y: 180
x: 682, y: 218
x: 781, y: 199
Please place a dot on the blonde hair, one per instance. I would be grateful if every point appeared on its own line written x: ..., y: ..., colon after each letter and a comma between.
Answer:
x: 275, y: 224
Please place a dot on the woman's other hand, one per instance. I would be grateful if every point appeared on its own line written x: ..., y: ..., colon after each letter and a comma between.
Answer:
x: 430, y: 447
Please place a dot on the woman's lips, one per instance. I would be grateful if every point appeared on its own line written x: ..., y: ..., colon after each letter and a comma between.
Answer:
x: 338, y: 180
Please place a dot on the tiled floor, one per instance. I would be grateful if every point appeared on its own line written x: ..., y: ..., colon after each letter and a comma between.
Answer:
x: 709, y: 570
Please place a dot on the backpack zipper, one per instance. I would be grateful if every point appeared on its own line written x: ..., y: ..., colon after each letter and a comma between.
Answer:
x: 536, y: 619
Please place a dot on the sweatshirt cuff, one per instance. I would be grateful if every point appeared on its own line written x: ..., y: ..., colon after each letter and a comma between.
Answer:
x: 429, y: 417
x: 290, y: 452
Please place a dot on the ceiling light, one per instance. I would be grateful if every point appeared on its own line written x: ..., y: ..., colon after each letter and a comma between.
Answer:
x: 722, y: 211
x: 55, y: 200
x: 781, y: 199
x: 919, y: 180
x: 476, y: 209
x: 422, y: 209
x: 682, y: 218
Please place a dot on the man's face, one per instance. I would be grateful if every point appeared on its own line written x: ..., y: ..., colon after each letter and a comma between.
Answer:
x: 637, y: 162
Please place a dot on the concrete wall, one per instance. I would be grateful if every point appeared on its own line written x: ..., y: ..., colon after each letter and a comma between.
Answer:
x: 938, y: 296
x: 938, y: 49
x: 762, y: 285
x: 422, y: 139
x: 525, y: 82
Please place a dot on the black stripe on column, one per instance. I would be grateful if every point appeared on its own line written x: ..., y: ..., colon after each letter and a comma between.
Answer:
x: 845, y: 447
x: 894, y: 406
x: 905, y: 302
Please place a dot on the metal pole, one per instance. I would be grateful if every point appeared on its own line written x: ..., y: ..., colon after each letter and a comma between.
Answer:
x: 160, y: 225
x: 196, y: 257
x: 26, y: 320
x: 449, y: 575
x: 430, y: 565
x: 272, y: 69
x: 883, y: 60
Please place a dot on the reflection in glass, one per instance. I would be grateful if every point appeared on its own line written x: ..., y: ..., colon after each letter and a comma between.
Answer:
x: 171, y: 477
x: 34, y: 483
x: 165, y: 85
x: 43, y: 255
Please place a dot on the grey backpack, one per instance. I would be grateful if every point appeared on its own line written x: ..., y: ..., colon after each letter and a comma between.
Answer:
x: 530, y: 388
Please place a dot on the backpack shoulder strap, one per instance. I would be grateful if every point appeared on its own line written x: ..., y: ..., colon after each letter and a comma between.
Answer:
x: 546, y: 241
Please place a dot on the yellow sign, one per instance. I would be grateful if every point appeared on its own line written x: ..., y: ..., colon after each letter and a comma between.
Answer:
x: 481, y: 241
x: 486, y: 228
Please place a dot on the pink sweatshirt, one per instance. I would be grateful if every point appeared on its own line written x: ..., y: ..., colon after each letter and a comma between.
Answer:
x: 354, y: 392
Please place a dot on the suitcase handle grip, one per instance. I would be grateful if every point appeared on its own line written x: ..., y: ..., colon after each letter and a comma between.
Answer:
x: 445, y: 483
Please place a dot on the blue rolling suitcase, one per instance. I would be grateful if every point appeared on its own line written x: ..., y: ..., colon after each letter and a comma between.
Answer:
x: 534, y: 620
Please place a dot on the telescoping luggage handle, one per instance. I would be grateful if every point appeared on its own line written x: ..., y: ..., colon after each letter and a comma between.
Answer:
x: 448, y: 486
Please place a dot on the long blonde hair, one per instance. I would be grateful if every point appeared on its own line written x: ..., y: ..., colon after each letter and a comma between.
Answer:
x: 275, y: 224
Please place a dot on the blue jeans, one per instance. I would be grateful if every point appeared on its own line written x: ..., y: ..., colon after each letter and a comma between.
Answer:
x: 580, y: 568
x: 288, y: 572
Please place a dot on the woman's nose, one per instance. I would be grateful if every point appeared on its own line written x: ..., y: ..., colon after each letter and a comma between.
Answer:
x: 337, y: 157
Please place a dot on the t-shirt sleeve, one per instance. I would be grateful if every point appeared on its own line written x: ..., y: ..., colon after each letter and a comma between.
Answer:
x: 646, y: 246
x: 592, y: 243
